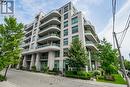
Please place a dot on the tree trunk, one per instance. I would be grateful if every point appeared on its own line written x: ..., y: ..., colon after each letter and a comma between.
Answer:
x: 6, y: 71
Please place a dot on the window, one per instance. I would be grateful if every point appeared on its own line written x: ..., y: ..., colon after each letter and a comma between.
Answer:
x: 33, y: 38
x: 57, y: 53
x: 66, y: 24
x: 56, y: 64
x: 65, y: 32
x: 66, y: 41
x: 65, y: 16
x: 65, y: 8
x: 75, y: 29
x: 74, y: 37
x: 75, y: 20
x: 32, y: 45
x: 65, y: 52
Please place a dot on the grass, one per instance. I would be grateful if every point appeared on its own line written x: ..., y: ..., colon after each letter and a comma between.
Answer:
x: 118, y: 79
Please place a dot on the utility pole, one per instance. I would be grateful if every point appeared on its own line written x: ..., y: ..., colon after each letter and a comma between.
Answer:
x: 121, y: 60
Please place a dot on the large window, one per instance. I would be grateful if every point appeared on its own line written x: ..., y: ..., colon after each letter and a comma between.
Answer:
x: 65, y: 16
x: 74, y: 37
x: 66, y: 8
x: 65, y: 24
x: 75, y: 29
x: 65, y: 52
x: 75, y: 20
x: 32, y: 46
x: 66, y: 41
x: 57, y: 53
x: 65, y: 32
x: 33, y: 38
x: 56, y: 64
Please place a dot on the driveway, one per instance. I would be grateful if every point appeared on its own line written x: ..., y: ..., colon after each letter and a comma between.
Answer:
x: 30, y: 79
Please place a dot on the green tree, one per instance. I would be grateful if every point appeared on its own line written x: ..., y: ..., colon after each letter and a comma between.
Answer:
x: 77, y: 55
x: 11, y: 33
x: 108, y: 57
x: 127, y: 64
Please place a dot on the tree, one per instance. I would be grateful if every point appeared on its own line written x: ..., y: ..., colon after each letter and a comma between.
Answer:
x: 127, y: 64
x: 77, y: 55
x: 11, y: 34
x: 108, y: 57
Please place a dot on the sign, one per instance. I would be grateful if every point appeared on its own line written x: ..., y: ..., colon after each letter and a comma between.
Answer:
x: 7, y: 6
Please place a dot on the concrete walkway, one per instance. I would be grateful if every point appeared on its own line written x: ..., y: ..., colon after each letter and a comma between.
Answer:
x: 30, y: 79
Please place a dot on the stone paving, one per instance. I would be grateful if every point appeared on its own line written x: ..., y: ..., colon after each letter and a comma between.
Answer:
x: 30, y: 79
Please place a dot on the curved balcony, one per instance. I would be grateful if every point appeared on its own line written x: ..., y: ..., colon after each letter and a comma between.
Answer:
x: 53, y: 20
x: 44, y: 48
x: 91, y: 45
x: 27, y: 38
x: 29, y: 27
x: 49, y: 37
x: 90, y: 36
x: 49, y: 29
x: 25, y: 44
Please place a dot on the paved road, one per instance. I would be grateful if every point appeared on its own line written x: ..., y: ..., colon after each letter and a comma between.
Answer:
x: 29, y: 79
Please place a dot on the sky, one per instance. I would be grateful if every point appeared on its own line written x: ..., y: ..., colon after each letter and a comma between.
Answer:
x: 99, y: 12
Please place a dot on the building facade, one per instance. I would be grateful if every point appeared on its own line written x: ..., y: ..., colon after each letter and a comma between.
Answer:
x: 49, y: 36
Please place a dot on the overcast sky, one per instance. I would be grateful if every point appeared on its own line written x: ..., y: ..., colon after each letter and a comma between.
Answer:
x: 97, y: 11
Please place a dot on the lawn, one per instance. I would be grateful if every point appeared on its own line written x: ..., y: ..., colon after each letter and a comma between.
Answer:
x: 118, y: 79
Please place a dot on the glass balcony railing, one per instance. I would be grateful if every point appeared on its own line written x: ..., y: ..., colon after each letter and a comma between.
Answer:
x: 45, y: 45
x: 49, y: 35
x: 49, y: 27
x: 90, y: 42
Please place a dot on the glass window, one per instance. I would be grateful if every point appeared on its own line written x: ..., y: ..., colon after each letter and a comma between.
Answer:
x: 66, y: 24
x: 66, y: 41
x: 75, y: 29
x: 74, y: 37
x: 65, y: 32
x: 57, y: 53
x: 75, y: 20
x: 56, y: 64
x: 33, y: 38
x: 32, y: 45
x: 65, y: 16
x: 65, y: 52
x: 65, y: 8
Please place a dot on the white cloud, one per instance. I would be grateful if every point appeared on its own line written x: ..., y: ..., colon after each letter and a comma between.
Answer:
x: 121, y: 17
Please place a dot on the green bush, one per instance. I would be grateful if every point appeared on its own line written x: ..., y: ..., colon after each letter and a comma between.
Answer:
x: 96, y: 73
x: 78, y: 74
x: 2, y: 78
x: 45, y: 69
x: 33, y: 68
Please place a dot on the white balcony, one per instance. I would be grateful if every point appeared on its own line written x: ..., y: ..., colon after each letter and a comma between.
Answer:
x: 53, y: 20
x: 44, y: 48
x: 49, y: 37
x: 27, y: 38
x: 91, y: 45
x: 90, y: 36
x: 25, y: 44
x: 49, y: 29
x: 28, y: 27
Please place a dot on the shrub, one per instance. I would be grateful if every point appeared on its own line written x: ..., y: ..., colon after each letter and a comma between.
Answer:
x: 45, y: 69
x: 78, y: 74
x: 96, y: 73
x: 33, y: 68
x: 2, y: 78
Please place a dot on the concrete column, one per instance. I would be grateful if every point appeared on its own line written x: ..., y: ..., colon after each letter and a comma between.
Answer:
x: 32, y: 61
x: 37, y: 63
x: 51, y: 60
x: 18, y: 66
x: 61, y: 65
x: 24, y: 61
x: 90, y: 65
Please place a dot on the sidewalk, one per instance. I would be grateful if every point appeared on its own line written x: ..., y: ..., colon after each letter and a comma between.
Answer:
x: 7, y: 84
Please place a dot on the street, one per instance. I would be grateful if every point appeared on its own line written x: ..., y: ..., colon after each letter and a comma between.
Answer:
x: 30, y: 79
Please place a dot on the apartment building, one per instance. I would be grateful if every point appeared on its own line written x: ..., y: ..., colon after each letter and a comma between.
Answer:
x: 49, y: 36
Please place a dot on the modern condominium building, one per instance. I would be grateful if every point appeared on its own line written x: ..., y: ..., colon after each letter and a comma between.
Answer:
x: 49, y: 36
